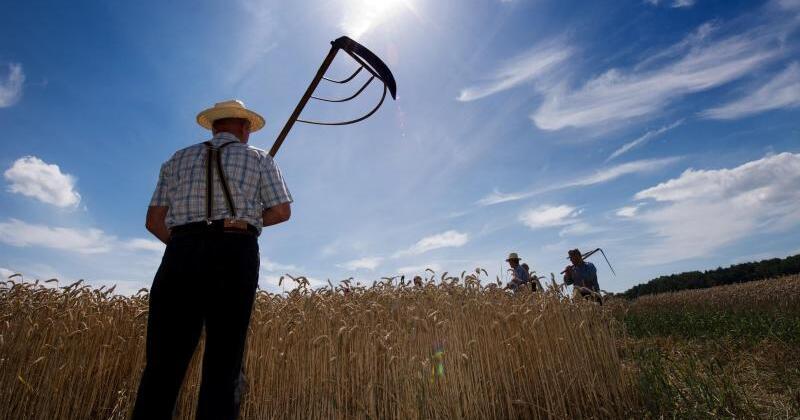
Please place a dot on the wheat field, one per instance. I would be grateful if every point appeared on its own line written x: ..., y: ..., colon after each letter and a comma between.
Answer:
x: 454, y: 348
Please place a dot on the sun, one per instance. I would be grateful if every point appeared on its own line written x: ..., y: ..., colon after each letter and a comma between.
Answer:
x: 362, y: 15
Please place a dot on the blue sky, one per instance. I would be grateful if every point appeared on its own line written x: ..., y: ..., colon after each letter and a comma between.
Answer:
x: 664, y: 131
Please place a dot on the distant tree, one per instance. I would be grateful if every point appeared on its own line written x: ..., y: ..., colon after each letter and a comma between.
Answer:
x: 738, y: 273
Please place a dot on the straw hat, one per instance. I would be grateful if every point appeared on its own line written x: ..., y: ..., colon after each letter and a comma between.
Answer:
x: 233, y: 108
x: 513, y: 256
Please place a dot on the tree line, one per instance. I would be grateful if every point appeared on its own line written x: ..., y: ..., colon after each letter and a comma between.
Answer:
x: 737, y: 273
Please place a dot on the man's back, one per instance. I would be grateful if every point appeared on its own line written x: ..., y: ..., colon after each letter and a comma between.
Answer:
x: 255, y: 183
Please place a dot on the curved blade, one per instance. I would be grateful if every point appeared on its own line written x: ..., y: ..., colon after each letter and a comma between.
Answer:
x: 374, y: 64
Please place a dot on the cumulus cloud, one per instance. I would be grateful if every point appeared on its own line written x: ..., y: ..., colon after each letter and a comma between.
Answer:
x: 84, y: 241
x: 366, y: 263
x: 618, y: 96
x: 782, y: 91
x: 449, y: 239
x: 11, y: 87
x: 643, y: 139
x: 598, y: 177
x: 549, y: 216
x: 32, y: 177
x: 704, y: 210
x: 523, y: 68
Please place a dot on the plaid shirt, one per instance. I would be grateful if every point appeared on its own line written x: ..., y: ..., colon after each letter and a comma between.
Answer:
x: 253, y: 177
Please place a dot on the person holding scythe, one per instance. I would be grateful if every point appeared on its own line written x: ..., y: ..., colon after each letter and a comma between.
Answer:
x: 210, y: 204
x: 582, y: 275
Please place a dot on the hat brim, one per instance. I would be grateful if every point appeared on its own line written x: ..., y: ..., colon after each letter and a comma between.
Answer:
x: 207, y: 117
x: 513, y: 259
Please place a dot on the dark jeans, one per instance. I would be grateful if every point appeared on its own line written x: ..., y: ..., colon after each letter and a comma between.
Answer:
x: 204, y: 279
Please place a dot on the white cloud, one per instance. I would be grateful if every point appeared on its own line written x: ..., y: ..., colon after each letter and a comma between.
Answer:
x: 782, y: 91
x: 523, y: 68
x: 414, y: 270
x: 11, y: 88
x: 617, y: 96
x: 683, y: 3
x: 676, y: 4
x: 599, y: 177
x: 497, y: 197
x: 366, y: 263
x: 32, y: 177
x: 141, y: 244
x: 449, y: 239
x: 83, y: 241
x: 549, y: 216
x: 579, y: 228
x: 643, y: 139
x: 272, y: 266
x: 6, y: 273
x: 627, y: 211
x: 704, y: 210
x: 614, y: 172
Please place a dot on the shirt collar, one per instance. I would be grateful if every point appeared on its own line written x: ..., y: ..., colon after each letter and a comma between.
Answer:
x: 224, y: 137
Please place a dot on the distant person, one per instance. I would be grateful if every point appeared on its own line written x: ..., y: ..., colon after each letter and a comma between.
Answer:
x: 519, y: 275
x: 417, y: 281
x: 210, y: 204
x: 536, y: 286
x: 582, y: 276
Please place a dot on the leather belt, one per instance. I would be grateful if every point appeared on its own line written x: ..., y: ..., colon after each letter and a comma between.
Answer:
x: 216, y: 226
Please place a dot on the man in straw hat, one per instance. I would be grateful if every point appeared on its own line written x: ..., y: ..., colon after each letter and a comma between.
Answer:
x: 519, y: 275
x: 210, y: 204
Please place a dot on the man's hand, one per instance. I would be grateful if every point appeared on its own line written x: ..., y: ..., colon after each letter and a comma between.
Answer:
x: 276, y: 214
x: 156, y: 222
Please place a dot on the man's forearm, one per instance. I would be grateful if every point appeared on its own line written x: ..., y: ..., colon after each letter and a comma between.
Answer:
x: 274, y: 215
x: 156, y: 222
x: 160, y: 231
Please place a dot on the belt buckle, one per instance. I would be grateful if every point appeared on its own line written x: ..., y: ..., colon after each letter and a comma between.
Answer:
x: 234, y: 224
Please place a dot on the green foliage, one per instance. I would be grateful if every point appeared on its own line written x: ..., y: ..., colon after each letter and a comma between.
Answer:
x: 738, y: 273
x: 749, y: 325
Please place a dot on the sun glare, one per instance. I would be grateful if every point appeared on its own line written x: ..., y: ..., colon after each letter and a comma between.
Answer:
x: 363, y: 15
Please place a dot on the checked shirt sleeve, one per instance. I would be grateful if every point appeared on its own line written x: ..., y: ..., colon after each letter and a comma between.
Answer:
x: 272, y: 186
x: 160, y: 195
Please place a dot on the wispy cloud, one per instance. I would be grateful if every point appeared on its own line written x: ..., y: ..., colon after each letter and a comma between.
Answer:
x: 675, y: 4
x: 549, y: 216
x: 600, y: 176
x: 523, y: 68
x: 618, y: 96
x: 11, y: 87
x: 366, y: 263
x: 713, y: 208
x: 32, y: 177
x: 83, y: 241
x: 643, y: 139
x: 627, y: 211
x: 448, y: 239
x: 413, y: 270
x: 782, y: 91
x: 141, y: 244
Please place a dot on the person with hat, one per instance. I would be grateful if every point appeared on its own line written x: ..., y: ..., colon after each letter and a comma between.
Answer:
x: 519, y: 275
x: 582, y: 275
x: 210, y: 204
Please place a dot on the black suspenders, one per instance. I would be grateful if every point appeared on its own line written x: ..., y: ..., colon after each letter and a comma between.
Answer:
x: 213, y: 155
